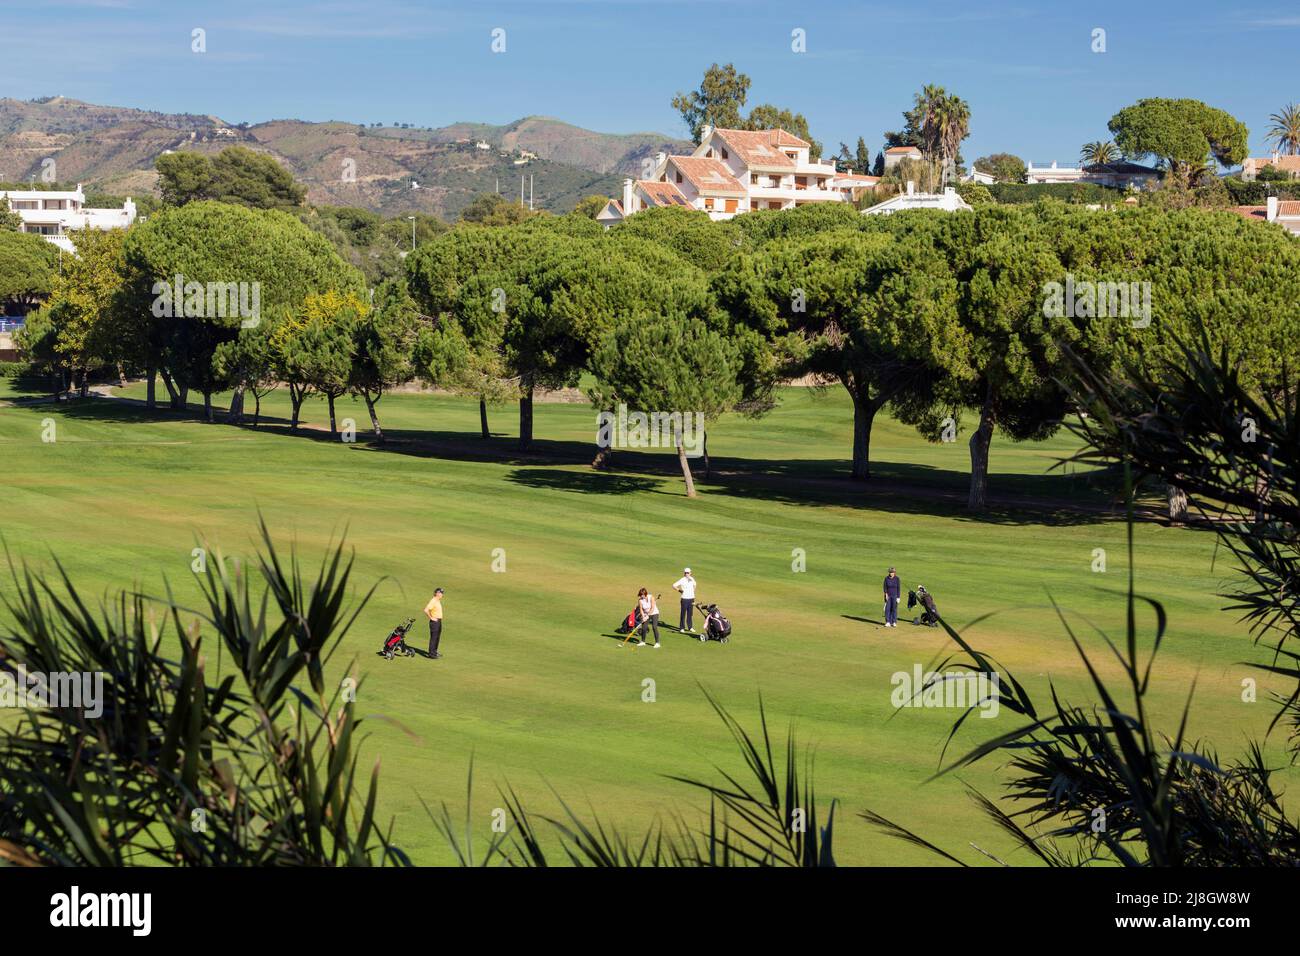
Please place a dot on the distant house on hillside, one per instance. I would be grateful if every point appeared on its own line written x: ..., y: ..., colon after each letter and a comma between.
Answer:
x: 947, y: 201
x: 1252, y: 166
x: 896, y: 154
x: 980, y: 177
x: 734, y: 171
x: 54, y: 214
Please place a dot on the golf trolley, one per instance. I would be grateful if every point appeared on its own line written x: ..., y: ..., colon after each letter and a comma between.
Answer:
x: 395, y: 644
x: 716, y: 626
x: 929, y: 616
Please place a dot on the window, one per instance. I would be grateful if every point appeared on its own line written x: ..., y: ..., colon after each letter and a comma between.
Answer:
x: 731, y: 205
x: 753, y: 179
x: 679, y: 177
x: 25, y: 204
x: 724, y: 153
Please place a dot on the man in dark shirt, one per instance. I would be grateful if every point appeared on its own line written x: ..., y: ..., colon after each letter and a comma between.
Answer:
x: 893, y: 588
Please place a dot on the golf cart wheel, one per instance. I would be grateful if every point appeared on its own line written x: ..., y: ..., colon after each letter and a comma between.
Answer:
x: 725, y: 640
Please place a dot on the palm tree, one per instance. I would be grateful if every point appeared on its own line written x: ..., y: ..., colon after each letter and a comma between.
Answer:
x: 1098, y: 151
x: 944, y: 122
x: 1285, y: 131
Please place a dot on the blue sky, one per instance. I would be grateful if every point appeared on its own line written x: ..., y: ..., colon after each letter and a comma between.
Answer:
x: 1027, y: 69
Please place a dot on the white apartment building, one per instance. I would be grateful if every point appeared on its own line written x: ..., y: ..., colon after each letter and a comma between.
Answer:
x: 1053, y: 174
x: 734, y: 171
x: 55, y: 214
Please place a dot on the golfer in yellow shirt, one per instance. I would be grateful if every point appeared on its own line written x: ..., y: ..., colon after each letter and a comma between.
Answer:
x: 433, y: 611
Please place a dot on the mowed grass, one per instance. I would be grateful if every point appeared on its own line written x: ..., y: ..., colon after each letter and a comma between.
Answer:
x: 533, y: 687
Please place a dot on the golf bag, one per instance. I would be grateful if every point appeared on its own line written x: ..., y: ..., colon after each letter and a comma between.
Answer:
x: 630, y: 623
x: 929, y: 613
x: 395, y: 643
x: 716, y: 626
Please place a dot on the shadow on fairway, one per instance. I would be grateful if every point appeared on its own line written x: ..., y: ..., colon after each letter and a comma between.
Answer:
x: 864, y: 620
x: 898, y: 487
x: 587, y: 483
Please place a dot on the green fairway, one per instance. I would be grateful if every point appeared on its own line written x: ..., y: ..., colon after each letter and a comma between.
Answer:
x: 532, y: 684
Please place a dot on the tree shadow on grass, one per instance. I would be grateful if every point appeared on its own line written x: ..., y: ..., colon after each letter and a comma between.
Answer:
x: 587, y: 483
x: 905, y: 488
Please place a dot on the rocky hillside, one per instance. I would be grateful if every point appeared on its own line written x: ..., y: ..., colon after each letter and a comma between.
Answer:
x: 387, y: 169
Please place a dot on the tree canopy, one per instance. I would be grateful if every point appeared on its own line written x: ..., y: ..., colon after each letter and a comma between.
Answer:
x: 1183, y: 133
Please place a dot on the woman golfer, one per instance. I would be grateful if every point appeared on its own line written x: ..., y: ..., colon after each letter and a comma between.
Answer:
x: 649, y: 613
x: 893, y: 588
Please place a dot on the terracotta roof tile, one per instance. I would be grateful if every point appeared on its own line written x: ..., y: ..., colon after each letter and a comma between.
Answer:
x: 662, y: 194
x: 1289, y: 208
x: 707, y: 175
x: 761, y: 148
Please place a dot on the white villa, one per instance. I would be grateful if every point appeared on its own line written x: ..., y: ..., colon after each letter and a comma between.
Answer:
x: 54, y: 214
x: 734, y: 171
x: 948, y: 201
x: 896, y: 154
x: 1123, y: 174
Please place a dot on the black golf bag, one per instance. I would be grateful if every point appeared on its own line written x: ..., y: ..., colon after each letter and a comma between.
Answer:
x: 716, y: 626
x: 929, y: 613
x: 395, y: 643
x: 630, y: 623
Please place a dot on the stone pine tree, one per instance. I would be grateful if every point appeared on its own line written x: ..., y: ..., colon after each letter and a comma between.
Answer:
x: 673, y: 369
x: 383, y: 348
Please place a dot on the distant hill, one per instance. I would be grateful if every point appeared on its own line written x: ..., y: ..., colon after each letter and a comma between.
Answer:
x: 113, y: 149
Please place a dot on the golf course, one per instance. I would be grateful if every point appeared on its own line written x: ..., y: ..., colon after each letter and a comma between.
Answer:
x: 541, y: 556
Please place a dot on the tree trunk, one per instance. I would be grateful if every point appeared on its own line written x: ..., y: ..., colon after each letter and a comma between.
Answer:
x: 979, y: 457
x: 526, y: 417
x: 172, y: 400
x: 1177, y: 504
x: 708, y: 468
x: 207, y: 405
x: 235, y: 414
x: 374, y: 418
x: 257, y: 407
x: 151, y: 385
x: 686, y: 468
x: 85, y: 383
x: 183, y: 398
x: 333, y: 428
x: 296, y: 397
x: 864, y: 413
x: 121, y: 375
x: 482, y: 418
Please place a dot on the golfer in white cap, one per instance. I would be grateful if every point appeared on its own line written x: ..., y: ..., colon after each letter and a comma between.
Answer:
x: 686, y: 587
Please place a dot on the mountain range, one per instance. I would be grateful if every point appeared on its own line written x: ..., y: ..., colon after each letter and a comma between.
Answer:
x: 389, y: 169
